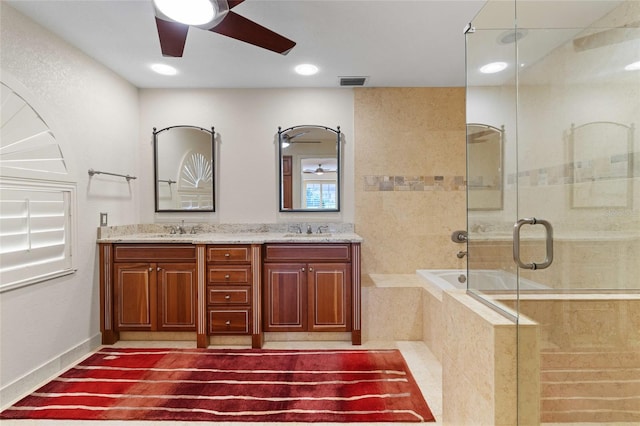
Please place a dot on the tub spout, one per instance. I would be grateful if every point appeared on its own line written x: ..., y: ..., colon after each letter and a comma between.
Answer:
x: 461, y: 254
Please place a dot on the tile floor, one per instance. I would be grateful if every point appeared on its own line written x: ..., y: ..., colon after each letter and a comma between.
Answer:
x: 424, y: 366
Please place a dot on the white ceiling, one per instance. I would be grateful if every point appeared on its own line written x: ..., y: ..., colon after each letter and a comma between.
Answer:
x: 395, y: 43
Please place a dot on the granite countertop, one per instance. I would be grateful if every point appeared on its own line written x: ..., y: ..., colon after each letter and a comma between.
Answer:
x: 234, y: 238
x: 231, y: 234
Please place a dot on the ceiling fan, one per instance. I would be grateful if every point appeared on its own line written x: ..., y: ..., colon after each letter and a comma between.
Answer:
x: 290, y: 138
x: 318, y: 171
x: 173, y: 32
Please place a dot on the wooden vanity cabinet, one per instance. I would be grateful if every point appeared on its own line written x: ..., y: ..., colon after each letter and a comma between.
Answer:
x: 307, y: 287
x: 229, y: 289
x: 154, y: 287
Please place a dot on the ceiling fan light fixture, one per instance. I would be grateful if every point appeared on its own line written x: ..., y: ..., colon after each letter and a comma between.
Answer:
x: 189, y: 12
x: 319, y: 171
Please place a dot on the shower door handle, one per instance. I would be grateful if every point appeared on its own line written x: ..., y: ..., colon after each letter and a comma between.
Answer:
x: 549, y: 243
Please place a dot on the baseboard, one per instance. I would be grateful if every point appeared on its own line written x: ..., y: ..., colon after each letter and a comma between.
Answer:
x: 47, y: 371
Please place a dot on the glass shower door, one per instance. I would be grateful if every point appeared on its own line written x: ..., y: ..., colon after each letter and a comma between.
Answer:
x: 564, y: 247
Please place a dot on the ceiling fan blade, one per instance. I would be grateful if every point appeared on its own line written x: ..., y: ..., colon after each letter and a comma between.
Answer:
x: 234, y: 3
x: 172, y: 37
x: 243, y: 29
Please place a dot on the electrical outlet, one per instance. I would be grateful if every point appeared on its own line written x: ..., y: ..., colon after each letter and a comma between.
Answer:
x: 103, y: 219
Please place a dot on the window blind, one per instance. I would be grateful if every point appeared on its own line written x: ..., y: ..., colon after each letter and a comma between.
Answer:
x: 35, y: 231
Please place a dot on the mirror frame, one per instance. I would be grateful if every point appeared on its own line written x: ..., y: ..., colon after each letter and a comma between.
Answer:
x: 500, y: 132
x: 623, y: 178
x: 155, y: 170
x: 281, y: 133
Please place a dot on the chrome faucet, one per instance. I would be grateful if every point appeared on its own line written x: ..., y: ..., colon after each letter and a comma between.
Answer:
x: 309, y: 230
x: 296, y: 228
x: 181, y: 228
x: 322, y: 228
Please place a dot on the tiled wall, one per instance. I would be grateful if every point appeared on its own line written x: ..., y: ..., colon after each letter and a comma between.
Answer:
x: 409, y: 176
x: 480, y: 366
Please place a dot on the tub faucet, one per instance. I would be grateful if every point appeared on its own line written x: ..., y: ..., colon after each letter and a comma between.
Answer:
x: 461, y: 254
x: 459, y: 236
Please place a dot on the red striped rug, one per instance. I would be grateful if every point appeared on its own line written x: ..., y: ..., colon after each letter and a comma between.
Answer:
x: 231, y: 385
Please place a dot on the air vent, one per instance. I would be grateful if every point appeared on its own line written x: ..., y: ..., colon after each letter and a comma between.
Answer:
x: 352, y: 81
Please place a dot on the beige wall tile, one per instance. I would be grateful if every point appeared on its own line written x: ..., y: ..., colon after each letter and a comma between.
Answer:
x: 409, y: 133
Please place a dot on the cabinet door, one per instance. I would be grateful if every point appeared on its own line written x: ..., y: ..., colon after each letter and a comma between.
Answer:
x: 135, y: 296
x: 285, y: 297
x: 329, y: 297
x: 177, y: 287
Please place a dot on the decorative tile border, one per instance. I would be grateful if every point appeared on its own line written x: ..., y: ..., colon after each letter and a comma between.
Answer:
x: 414, y: 183
x: 605, y: 168
x: 614, y: 167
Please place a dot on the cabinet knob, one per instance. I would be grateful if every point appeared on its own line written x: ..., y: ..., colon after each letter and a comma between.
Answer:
x: 303, y: 270
x: 228, y: 323
x: 227, y: 297
x: 226, y: 277
x: 158, y: 269
x: 310, y: 269
x: 150, y: 269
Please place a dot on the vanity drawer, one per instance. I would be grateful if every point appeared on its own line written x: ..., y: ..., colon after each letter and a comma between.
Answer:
x: 229, y: 321
x: 221, y: 295
x: 307, y: 252
x: 232, y: 274
x: 229, y: 254
x: 154, y: 252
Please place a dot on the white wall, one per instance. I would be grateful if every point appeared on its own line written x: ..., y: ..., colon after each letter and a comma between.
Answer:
x: 246, y: 124
x: 104, y: 123
x: 94, y: 115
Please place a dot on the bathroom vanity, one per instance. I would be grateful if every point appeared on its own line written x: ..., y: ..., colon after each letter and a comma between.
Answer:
x: 228, y: 283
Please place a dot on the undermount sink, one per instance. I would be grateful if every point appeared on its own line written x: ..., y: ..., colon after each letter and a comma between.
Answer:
x: 307, y: 235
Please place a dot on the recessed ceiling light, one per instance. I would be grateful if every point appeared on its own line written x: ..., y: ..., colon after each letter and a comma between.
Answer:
x: 164, y: 69
x: 493, y: 67
x: 306, y: 69
x: 190, y: 12
x: 633, y: 67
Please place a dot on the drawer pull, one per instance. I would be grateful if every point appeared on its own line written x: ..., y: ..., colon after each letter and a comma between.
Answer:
x: 228, y: 323
x: 227, y: 255
x: 226, y: 277
x: 227, y: 297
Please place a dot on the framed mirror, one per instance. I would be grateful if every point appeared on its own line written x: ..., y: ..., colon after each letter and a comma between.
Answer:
x: 309, y: 169
x: 184, y: 169
x: 601, y: 153
x: 484, y: 170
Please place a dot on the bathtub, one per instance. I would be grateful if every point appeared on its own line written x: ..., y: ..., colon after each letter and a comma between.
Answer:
x: 484, y: 280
